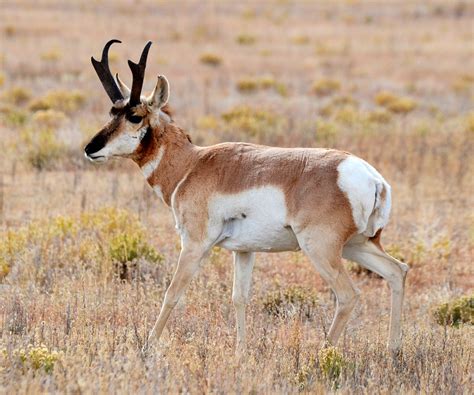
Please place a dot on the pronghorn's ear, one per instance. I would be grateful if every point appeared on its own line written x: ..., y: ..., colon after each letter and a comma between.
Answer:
x: 160, y: 94
x: 123, y: 88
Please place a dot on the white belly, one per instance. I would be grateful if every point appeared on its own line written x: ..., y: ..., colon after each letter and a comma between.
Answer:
x: 254, y: 220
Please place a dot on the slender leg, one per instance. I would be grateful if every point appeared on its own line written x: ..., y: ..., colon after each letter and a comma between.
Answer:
x: 324, y: 250
x: 371, y: 256
x: 189, y: 260
x: 243, y: 266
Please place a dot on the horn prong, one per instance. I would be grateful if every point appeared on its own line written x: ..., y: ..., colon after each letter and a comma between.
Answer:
x: 138, y: 73
x: 105, y: 76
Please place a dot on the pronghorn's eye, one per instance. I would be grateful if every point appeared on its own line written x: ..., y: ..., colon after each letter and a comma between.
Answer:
x: 135, y: 118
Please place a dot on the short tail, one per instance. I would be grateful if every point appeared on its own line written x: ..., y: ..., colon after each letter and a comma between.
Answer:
x: 381, y: 211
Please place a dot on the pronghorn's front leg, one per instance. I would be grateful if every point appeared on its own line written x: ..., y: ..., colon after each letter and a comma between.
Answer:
x: 243, y: 266
x: 189, y: 259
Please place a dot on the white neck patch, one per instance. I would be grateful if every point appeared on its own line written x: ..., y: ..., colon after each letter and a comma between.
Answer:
x: 149, y: 167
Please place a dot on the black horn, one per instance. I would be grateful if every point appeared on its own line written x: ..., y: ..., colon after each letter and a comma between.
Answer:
x: 138, y: 73
x: 103, y: 71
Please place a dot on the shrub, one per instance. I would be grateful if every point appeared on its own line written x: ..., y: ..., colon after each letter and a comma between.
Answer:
x: 383, y: 98
x: 379, y: 116
x: 394, y: 103
x: 37, y: 358
x: 207, y: 122
x: 16, y: 95
x: 127, y: 247
x: 14, y: 117
x: 326, y: 132
x: 254, y: 122
x: 332, y: 363
x: 53, y: 55
x: 402, y: 105
x: 210, y: 59
x: 49, y: 119
x: 281, y: 302
x: 247, y: 85
x: 43, y: 149
x: 300, y: 39
x: 246, y: 39
x: 470, y: 123
x: 326, y: 87
x: 65, y: 101
x: 456, y: 312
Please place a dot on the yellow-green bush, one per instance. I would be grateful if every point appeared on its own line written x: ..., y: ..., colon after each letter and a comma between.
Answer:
x: 49, y: 119
x: 394, y: 103
x: 325, y: 87
x: 470, y: 123
x: 280, y: 302
x: 36, y: 358
x: 250, y: 85
x: 379, y: 116
x: 247, y: 85
x: 52, y: 55
x: 246, y: 39
x: 127, y: 247
x: 61, y: 100
x: 331, y: 363
x: 456, y: 312
x: 16, y: 95
x: 43, y: 149
x: 207, y: 122
x: 13, y: 117
x: 300, y: 39
x: 251, y: 121
x: 326, y: 132
x: 210, y: 59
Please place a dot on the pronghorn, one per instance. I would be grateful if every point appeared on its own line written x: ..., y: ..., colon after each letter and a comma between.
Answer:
x: 250, y: 198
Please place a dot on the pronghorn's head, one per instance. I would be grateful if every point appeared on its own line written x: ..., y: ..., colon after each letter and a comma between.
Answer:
x: 133, y: 115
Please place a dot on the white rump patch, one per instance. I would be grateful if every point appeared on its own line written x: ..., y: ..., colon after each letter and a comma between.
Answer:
x: 253, y: 220
x: 149, y: 167
x: 363, y: 186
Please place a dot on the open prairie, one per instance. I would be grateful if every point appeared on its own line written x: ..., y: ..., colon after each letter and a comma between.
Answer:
x: 87, y: 251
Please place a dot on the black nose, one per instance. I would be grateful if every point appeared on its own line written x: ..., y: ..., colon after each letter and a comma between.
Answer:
x: 96, y: 144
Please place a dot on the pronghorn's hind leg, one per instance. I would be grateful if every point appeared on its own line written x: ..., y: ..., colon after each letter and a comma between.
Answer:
x: 324, y: 249
x: 370, y: 254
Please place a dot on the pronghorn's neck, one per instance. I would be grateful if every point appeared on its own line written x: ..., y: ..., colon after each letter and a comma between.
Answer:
x: 165, y: 156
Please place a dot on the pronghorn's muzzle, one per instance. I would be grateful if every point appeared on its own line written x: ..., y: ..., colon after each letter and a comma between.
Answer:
x: 95, y: 145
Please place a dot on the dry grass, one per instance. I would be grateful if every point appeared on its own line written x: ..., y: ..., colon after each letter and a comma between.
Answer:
x: 74, y: 312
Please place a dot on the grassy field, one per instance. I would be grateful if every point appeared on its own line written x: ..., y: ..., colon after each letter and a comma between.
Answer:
x: 391, y: 81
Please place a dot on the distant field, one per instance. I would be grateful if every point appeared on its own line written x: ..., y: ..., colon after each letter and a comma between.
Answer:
x: 390, y: 81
